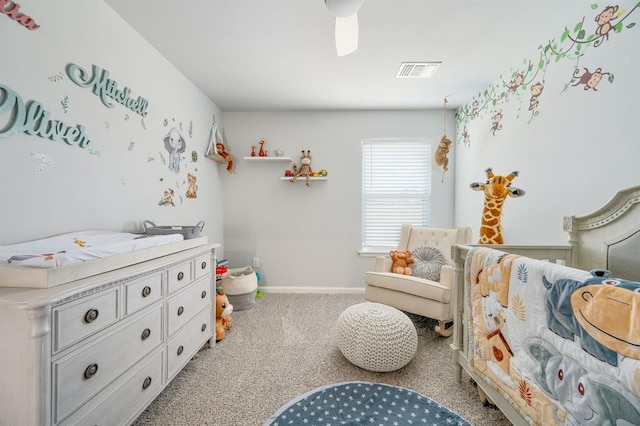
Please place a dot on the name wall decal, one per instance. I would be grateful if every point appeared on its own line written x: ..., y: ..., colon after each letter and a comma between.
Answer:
x: 103, y: 87
x: 11, y: 9
x: 34, y: 120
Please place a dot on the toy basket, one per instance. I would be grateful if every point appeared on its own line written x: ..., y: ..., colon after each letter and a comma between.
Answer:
x: 240, y: 285
x: 187, y: 232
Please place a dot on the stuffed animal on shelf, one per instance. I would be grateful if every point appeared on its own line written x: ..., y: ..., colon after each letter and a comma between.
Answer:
x: 222, y: 151
x: 223, y: 315
x: 305, y: 168
x: 401, y: 261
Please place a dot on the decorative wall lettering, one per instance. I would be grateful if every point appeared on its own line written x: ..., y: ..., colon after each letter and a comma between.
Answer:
x: 11, y: 9
x: 104, y: 87
x: 34, y: 120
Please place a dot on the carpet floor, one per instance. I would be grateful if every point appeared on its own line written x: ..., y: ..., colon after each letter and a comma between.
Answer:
x: 285, y: 346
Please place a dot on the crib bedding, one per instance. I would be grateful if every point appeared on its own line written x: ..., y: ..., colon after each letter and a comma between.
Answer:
x: 561, y: 344
x: 77, y: 247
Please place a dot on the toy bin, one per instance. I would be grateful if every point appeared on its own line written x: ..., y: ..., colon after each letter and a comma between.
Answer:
x: 240, y: 285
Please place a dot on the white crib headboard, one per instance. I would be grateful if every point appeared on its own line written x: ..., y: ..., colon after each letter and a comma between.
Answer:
x: 609, y: 238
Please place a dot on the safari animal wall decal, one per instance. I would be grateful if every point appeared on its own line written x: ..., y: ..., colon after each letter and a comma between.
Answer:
x: 526, y: 84
x: 496, y: 190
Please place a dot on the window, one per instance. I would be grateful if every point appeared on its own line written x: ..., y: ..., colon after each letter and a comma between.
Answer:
x: 396, y: 189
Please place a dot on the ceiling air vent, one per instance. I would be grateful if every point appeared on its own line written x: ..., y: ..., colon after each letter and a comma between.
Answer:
x: 417, y: 69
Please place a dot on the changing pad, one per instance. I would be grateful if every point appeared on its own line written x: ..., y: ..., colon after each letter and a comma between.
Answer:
x: 76, y: 247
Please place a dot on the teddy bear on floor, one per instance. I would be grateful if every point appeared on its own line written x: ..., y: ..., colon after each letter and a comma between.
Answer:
x: 223, y: 315
x: 401, y: 261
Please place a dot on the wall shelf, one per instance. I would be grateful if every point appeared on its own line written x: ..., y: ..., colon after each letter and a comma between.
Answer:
x: 258, y: 159
x: 303, y: 179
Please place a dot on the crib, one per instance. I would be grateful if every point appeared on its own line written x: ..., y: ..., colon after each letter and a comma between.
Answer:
x: 524, y: 327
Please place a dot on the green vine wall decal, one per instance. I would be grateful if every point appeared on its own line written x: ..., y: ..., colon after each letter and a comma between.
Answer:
x: 527, y: 81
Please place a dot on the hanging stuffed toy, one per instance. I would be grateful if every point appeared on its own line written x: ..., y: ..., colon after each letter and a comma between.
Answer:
x: 496, y: 189
x: 441, y: 158
x: 222, y: 151
x: 216, y: 150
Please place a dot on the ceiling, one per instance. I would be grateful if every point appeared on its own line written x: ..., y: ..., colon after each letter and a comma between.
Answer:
x: 250, y: 55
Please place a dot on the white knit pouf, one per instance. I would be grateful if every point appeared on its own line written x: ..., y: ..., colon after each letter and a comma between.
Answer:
x: 376, y: 337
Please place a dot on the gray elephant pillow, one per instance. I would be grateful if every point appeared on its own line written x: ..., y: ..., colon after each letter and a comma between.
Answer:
x: 428, y: 262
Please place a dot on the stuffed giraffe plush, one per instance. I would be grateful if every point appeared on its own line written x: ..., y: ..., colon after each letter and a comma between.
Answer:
x: 305, y: 168
x: 496, y: 189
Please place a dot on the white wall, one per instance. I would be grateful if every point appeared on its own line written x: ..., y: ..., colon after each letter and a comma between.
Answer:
x: 581, y: 148
x: 310, y: 237
x: 119, y: 179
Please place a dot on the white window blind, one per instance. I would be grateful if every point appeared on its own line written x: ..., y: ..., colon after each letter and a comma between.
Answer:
x: 396, y: 189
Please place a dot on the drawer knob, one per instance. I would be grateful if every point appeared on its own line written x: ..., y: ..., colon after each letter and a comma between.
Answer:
x: 180, y: 310
x: 203, y: 265
x: 90, y: 371
x: 146, y: 333
x: 146, y: 291
x: 91, y: 315
x: 204, y: 294
x: 180, y: 349
x: 204, y: 327
x: 180, y: 276
x: 146, y: 383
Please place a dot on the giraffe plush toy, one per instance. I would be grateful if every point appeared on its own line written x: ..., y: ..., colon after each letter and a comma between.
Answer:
x: 496, y: 189
x: 305, y: 168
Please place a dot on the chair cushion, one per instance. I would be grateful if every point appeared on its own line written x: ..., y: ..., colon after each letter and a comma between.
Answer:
x: 410, y: 285
x: 428, y: 262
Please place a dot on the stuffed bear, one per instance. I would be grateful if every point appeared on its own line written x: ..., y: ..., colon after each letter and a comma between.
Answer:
x: 401, y: 261
x: 223, y: 315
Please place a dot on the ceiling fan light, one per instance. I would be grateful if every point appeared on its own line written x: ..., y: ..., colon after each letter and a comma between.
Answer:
x: 346, y: 35
x: 343, y: 8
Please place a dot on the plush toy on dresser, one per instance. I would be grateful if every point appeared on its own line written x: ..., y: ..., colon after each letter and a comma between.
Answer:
x: 223, y: 315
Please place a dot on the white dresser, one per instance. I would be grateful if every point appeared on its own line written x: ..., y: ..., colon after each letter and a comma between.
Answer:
x: 98, y: 350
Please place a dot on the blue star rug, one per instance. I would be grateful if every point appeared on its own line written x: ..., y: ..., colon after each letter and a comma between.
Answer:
x: 353, y: 403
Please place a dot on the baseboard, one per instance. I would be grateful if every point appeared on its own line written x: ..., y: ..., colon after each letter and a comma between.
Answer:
x: 318, y: 290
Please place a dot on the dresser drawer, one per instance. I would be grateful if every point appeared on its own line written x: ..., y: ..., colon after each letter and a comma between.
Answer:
x: 128, y: 394
x: 203, y: 265
x: 75, y: 320
x: 178, y: 276
x: 187, y: 342
x: 142, y: 292
x: 185, y: 305
x: 80, y: 375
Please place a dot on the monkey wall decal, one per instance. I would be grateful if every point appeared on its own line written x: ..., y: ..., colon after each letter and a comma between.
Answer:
x: 590, y: 79
x: 475, y: 107
x: 603, y: 19
x: 495, y: 122
x: 516, y: 82
x: 536, y: 91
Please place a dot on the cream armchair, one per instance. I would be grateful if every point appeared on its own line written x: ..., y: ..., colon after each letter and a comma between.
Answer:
x: 416, y: 295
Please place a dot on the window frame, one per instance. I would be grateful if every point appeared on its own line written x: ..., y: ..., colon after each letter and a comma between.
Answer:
x: 418, y: 158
